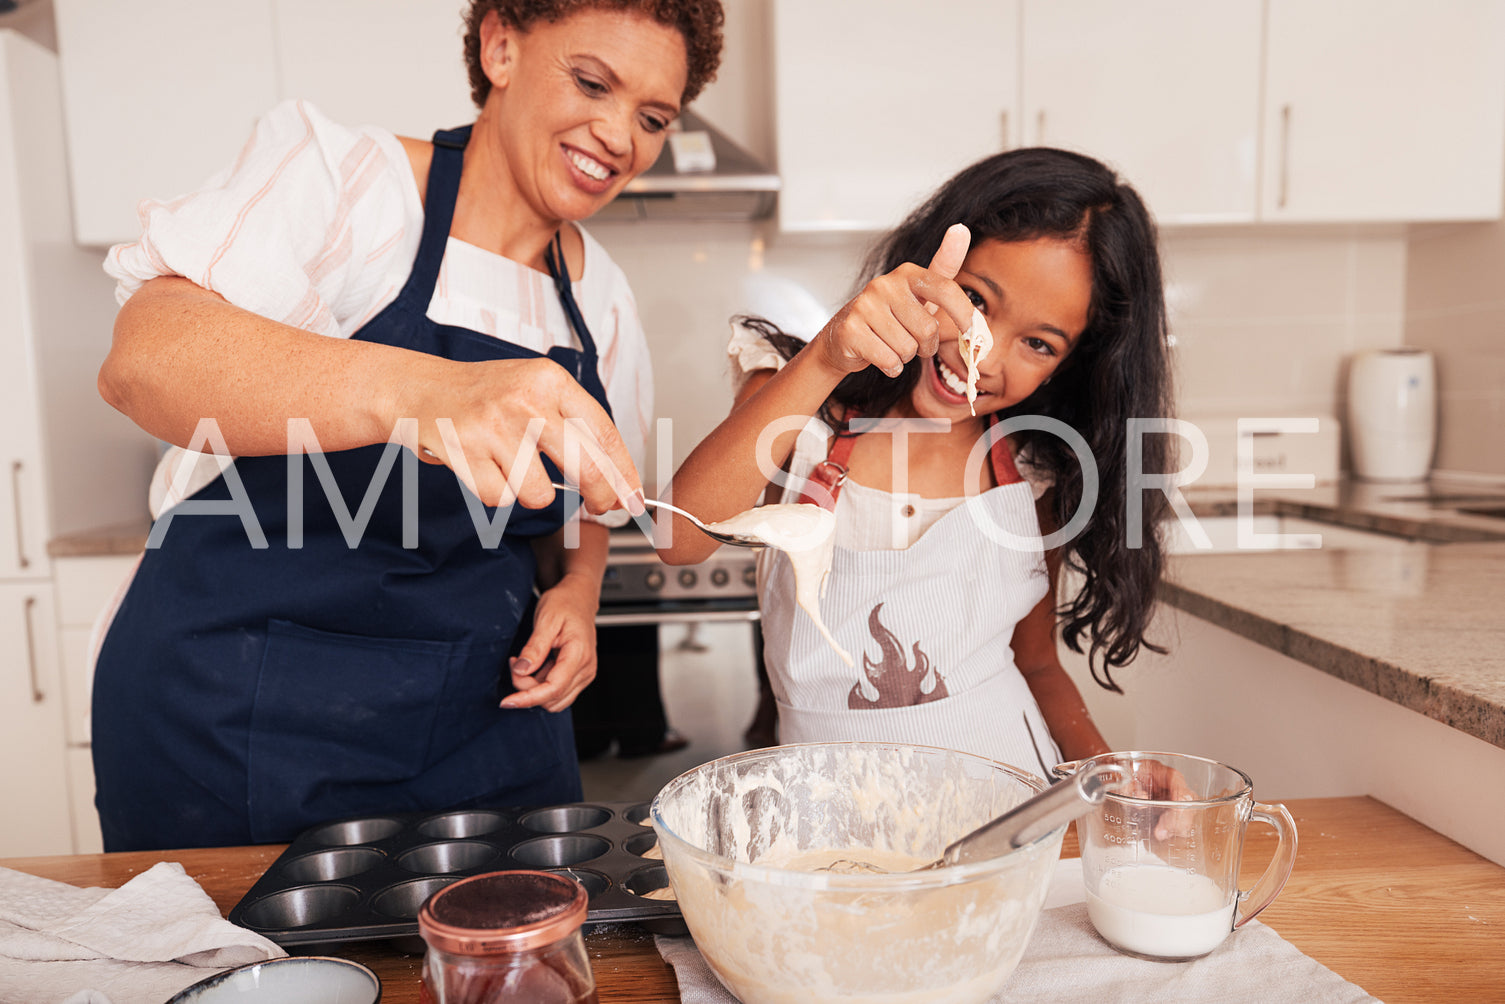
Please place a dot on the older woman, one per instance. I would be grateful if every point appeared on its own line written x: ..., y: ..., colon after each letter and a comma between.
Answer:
x: 317, y: 630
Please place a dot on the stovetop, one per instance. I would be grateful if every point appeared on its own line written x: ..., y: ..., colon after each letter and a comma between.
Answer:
x: 634, y: 574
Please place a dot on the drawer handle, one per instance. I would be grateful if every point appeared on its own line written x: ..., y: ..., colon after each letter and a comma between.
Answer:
x: 37, y: 697
x: 15, y: 491
x: 1285, y: 155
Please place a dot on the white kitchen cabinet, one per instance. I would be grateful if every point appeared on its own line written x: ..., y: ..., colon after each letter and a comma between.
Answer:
x: 23, y: 530
x: 1234, y: 112
x: 67, y: 459
x: 160, y: 95
x: 87, y: 838
x: 1384, y: 110
x: 878, y: 103
x: 85, y: 586
x: 1166, y: 91
x: 23, y: 525
x: 392, y: 63
x: 34, y: 782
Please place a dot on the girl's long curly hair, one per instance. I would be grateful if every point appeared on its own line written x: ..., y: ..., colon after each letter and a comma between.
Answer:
x: 1118, y: 370
x: 699, y: 21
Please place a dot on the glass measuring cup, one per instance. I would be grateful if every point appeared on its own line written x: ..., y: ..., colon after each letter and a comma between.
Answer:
x: 1160, y: 856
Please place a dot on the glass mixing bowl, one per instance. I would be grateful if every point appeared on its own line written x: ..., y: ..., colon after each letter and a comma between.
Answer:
x: 772, y: 933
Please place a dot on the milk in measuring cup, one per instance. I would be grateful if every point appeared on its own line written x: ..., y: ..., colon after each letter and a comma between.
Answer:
x: 1160, y: 911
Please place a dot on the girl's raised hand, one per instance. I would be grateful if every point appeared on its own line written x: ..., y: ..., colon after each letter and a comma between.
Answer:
x: 898, y: 315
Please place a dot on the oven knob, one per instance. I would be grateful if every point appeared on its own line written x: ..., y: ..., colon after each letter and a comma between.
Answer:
x: 750, y: 576
x: 720, y: 577
x: 654, y: 580
x: 687, y: 578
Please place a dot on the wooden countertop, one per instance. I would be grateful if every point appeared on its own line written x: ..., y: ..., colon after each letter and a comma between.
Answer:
x: 1380, y: 899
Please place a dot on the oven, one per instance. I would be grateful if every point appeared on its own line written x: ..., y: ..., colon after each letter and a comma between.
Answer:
x: 640, y: 596
x: 638, y: 588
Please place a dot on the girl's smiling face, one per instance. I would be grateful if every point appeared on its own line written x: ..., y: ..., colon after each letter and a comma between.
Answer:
x: 1036, y: 296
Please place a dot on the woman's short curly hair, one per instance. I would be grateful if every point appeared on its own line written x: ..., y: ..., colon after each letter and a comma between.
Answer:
x: 699, y: 21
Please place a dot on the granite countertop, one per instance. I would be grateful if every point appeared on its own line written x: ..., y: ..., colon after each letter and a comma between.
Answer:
x: 1420, y: 623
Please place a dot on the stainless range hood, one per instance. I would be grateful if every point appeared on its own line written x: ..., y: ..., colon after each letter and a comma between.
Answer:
x: 701, y: 175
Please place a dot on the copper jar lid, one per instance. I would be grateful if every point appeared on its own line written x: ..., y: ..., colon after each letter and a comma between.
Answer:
x: 501, y: 912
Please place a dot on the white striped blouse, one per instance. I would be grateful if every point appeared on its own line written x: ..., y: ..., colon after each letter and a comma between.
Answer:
x: 317, y: 225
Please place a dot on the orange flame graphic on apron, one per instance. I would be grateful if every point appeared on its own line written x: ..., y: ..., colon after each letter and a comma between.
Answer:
x: 898, y: 684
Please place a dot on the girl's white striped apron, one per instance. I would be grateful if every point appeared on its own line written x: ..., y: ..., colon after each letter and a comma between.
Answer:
x: 930, y: 628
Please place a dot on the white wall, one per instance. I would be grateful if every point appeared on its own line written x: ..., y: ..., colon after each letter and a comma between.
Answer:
x: 1455, y: 308
x: 691, y: 278
x: 1265, y: 319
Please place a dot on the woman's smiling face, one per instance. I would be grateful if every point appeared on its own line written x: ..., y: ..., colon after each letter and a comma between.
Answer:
x: 1036, y: 296
x: 581, y: 105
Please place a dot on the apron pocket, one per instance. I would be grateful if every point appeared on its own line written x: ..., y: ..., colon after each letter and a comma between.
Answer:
x: 997, y: 719
x: 333, y: 711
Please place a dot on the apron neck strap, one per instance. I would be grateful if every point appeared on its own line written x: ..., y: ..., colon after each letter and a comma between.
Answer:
x: 1004, y: 471
x: 440, y: 195
x: 553, y: 257
x: 823, y: 484
x: 439, y: 200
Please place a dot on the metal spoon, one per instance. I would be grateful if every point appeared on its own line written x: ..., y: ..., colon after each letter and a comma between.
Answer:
x: 1031, y: 819
x: 735, y: 539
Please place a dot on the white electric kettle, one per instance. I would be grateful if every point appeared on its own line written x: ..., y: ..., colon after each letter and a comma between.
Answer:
x: 1392, y: 414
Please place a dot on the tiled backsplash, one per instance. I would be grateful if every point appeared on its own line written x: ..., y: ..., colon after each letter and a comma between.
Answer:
x: 1455, y: 308
x: 1263, y: 322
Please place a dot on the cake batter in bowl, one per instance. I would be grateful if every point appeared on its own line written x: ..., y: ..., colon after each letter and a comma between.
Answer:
x: 743, y: 838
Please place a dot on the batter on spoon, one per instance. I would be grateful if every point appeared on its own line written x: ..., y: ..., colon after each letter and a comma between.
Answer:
x: 807, y: 533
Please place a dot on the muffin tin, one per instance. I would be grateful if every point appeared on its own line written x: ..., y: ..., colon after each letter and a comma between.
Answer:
x: 365, y: 878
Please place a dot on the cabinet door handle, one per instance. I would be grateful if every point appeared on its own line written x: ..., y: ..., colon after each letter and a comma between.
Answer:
x: 1040, y: 127
x: 1285, y: 156
x: 15, y: 491
x: 37, y: 697
x: 1003, y: 128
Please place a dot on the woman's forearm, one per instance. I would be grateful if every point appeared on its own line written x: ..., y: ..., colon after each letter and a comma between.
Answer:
x: 582, y: 566
x: 181, y: 354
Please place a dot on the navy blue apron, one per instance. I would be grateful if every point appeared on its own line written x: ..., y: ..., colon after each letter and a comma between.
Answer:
x: 242, y: 695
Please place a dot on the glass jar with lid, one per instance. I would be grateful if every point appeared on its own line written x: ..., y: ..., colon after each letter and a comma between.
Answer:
x: 506, y: 938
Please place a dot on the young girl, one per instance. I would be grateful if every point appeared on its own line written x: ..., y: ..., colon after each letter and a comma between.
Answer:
x: 939, y: 579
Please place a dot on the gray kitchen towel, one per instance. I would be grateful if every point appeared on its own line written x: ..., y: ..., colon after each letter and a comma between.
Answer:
x: 139, y: 944
x: 1067, y: 962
